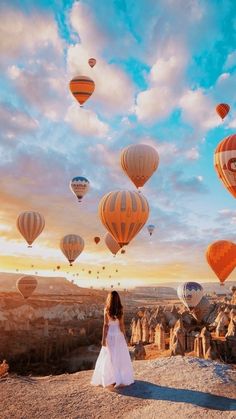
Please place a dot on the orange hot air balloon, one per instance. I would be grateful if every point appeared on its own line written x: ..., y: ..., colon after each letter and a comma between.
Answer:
x: 82, y: 87
x: 139, y: 162
x: 92, y: 62
x: 30, y: 224
x: 123, y: 213
x: 72, y: 245
x: 97, y: 239
x: 222, y: 109
x: 26, y: 285
x: 221, y: 256
x: 225, y: 163
x: 112, y: 244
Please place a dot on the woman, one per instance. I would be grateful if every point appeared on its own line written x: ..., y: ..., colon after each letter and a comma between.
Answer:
x: 113, y: 366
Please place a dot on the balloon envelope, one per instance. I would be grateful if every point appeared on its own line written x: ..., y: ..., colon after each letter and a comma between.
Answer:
x: 221, y: 256
x: 123, y: 213
x: 150, y: 228
x: 92, y: 62
x: 139, y: 162
x: 222, y: 109
x: 79, y: 185
x: 30, y: 224
x: 26, y: 285
x: 225, y: 163
x: 190, y: 293
x: 82, y: 87
x: 112, y: 244
x: 71, y: 245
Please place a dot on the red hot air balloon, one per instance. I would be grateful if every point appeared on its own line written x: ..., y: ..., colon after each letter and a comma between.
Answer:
x: 82, y: 87
x: 222, y: 109
x: 92, y: 62
x: 225, y: 163
x: 97, y: 239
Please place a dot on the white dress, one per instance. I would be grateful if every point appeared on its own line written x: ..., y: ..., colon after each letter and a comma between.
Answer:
x: 113, y: 364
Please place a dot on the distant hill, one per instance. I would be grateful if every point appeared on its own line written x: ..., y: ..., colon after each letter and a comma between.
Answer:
x: 46, y: 285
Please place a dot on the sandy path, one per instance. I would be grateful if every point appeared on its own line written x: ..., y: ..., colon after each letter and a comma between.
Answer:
x: 168, y: 387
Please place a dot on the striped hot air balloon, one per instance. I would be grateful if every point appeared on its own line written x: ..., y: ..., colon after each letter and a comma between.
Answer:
x: 221, y: 256
x: 222, y: 109
x: 26, y: 285
x: 139, y: 162
x: 225, y: 163
x: 30, y: 224
x: 92, y: 62
x: 82, y: 87
x: 112, y: 244
x: 123, y: 213
x: 79, y: 185
x: 190, y: 293
x: 71, y: 245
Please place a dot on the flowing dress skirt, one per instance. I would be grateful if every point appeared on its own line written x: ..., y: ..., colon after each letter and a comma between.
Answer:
x: 113, y: 364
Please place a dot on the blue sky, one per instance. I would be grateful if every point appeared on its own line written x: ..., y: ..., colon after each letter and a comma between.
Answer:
x: 161, y: 69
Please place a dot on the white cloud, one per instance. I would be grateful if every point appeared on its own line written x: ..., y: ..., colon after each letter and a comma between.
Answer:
x: 192, y: 154
x: 198, y: 109
x: 114, y: 90
x: 86, y: 122
x: 230, y: 61
x: 22, y: 32
x: 154, y: 104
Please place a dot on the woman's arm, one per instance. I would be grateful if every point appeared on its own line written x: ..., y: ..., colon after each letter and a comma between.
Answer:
x: 105, y: 329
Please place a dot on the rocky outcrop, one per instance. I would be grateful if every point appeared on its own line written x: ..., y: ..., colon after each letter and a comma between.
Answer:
x: 138, y: 352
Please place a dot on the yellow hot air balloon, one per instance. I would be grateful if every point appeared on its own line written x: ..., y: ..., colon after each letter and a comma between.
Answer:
x: 71, y: 245
x: 26, y: 285
x: 139, y: 162
x: 112, y: 244
x: 30, y: 224
x: 123, y: 213
x: 82, y: 87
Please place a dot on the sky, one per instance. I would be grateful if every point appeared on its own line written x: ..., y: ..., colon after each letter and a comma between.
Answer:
x: 161, y: 69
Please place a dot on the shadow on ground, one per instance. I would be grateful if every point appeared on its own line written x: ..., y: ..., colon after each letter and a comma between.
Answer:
x: 146, y: 390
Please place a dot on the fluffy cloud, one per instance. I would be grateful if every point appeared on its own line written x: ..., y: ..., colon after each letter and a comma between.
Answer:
x: 20, y: 33
x: 114, y: 90
x: 166, y: 84
x: 15, y: 122
x: 86, y: 122
x: 198, y: 109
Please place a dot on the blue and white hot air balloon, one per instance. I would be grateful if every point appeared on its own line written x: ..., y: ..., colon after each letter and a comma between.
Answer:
x: 79, y: 185
x: 190, y: 293
x: 151, y: 228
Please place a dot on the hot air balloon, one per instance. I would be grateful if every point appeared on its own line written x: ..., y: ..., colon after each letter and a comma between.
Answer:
x: 26, y: 285
x: 79, y: 185
x: 58, y: 267
x: 112, y: 244
x: 221, y: 256
x: 222, y: 109
x: 103, y: 267
x: 82, y: 87
x: 116, y: 270
x: 111, y: 286
x: 118, y: 284
x: 150, y: 228
x: 97, y: 239
x: 190, y: 293
x: 71, y: 245
x: 225, y: 163
x: 30, y: 224
x: 92, y: 62
x: 123, y: 213
x: 89, y: 272
x: 139, y: 162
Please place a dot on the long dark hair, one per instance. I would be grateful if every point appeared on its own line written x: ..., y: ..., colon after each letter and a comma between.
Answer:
x: 113, y: 306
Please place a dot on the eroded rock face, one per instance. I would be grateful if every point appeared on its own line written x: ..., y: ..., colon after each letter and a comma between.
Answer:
x: 138, y: 352
x: 177, y: 339
x: 231, y: 328
x: 233, y: 299
x: 202, y: 310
